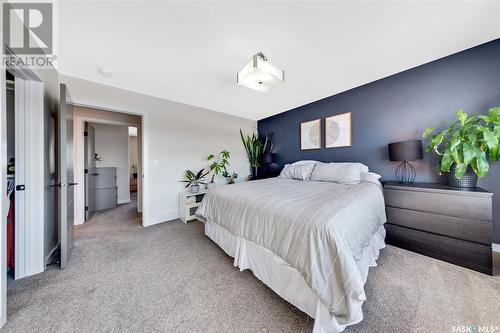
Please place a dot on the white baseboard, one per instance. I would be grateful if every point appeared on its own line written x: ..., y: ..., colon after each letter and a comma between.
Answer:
x: 164, y: 216
x: 123, y: 201
x: 495, y: 247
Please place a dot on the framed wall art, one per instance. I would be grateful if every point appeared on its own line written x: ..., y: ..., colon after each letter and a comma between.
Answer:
x: 338, y: 130
x: 310, y: 134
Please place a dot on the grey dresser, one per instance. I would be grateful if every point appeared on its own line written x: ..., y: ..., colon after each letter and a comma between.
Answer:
x: 442, y: 222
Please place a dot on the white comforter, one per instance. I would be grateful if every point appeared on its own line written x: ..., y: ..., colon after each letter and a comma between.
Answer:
x: 318, y: 228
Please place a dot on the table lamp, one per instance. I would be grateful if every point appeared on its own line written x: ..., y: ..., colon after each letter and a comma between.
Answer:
x: 405, y: 152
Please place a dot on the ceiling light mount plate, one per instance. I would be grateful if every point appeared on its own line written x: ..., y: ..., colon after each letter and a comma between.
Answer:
x: 105, y: 71
x: 259, y: 74
x: 261, y: 56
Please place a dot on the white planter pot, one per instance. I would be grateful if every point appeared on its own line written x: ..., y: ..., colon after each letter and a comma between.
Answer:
x: 194, y: 188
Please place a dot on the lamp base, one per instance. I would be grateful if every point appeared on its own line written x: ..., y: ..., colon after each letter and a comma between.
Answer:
x: 405, y: 173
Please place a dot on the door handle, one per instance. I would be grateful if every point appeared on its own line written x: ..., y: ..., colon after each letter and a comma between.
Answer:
x: 56, y: 185
x: 72, y: 184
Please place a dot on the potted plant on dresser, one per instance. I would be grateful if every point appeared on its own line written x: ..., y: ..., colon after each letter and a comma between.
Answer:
x: 466, y: 146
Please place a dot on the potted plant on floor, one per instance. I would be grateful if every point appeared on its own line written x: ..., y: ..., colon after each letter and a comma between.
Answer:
x: 194, y: 180
x: 466, y: 145
x: 218, y: 166
x: 255, y: 148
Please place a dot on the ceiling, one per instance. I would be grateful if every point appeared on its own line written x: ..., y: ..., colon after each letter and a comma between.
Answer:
x: 190, y: 52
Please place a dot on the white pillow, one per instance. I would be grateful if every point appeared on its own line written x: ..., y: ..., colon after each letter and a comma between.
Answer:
x: 299, y: 172
x: 302, y: 162
x: 344, y: 173
x: 371, y: 177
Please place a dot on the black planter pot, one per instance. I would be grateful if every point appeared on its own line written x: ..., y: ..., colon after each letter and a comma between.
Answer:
x: 468, y: 180
x: 271, y: 170
x: 255, y: 172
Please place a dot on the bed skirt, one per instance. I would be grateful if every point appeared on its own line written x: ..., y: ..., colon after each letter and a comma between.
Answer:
x: 285, y: 280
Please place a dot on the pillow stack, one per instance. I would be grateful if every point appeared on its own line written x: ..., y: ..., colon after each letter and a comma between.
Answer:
x: 298, y: 172
x: 342, y: 173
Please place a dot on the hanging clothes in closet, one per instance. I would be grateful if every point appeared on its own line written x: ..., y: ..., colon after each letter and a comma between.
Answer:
x: 11, y: 184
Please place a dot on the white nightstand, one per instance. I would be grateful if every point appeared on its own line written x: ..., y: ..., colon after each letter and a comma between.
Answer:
x: 188, y: 203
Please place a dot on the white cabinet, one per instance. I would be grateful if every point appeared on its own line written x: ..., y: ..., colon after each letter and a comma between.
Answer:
x: 188, y: 203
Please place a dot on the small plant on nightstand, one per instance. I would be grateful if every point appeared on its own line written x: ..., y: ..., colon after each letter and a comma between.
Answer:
x: 230, y: 177
x: 194, y: 180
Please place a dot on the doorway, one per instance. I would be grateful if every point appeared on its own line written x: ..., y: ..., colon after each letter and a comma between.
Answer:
x: 107, y: 167
x: 102, y: 161
x: 133, y: 150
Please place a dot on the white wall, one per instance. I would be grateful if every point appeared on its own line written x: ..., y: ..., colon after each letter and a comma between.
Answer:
x: 176, y: 137
x: 111, y: 143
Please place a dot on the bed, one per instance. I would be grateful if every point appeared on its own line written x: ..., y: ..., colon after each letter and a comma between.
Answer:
x: 311, y: 242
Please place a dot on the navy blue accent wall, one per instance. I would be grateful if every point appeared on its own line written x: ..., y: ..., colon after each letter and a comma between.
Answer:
x: 399, y: 108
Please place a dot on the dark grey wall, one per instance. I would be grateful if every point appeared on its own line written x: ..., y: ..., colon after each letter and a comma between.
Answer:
x: 398, y: 108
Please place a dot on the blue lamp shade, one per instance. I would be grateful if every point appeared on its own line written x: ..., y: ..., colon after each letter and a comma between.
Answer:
x: 406, y: 150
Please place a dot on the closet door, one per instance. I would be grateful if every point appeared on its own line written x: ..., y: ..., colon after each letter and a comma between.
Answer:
x: 20, y: 177
x: 29, y: 178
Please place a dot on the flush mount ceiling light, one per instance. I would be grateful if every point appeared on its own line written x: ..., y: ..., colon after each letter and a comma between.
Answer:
x: 260, y: 75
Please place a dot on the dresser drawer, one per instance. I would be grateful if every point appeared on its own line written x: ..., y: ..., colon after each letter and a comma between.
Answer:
x: 456, y: 227
x: 471, y: 207
x: 471, y: 255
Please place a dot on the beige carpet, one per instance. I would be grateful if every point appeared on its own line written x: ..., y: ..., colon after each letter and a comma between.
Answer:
x: 171, y: 278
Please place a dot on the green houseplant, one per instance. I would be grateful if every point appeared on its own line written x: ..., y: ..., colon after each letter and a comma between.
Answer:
x: 465, y: 146
x: 255, y: 148
x: 194, y: 180
x: 218, y: 166
x: 230, y: 177
x: 133, y: 169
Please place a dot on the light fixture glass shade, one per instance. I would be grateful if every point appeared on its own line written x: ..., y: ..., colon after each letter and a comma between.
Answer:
x: 260, y: 75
